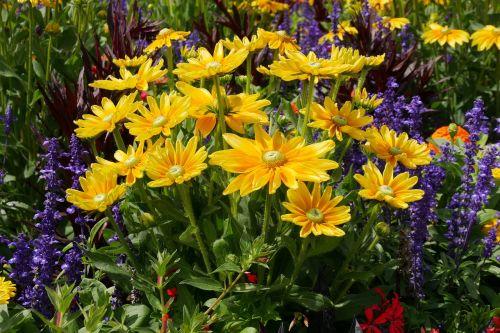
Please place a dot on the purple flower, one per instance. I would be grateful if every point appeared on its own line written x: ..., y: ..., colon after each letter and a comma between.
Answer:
x: 21, y: 261
x: 309, y: 33
x: 72, y: 265
x: 490, y: 241
x: 8, y: 119
x: 407, y: 39
x: 2, y: 176
x: 476, y: 122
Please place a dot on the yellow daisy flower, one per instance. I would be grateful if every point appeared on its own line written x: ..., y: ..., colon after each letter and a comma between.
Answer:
x: 495, y: 173
x: 278, y: 40
x: 240, y: 109
x: 99, y: 190
x: 130, y: 62
x: 189, y: 52
x: 169, y: 165
x: 350, y: 56
x: 207, y: 65
x: 493, y: 223
x: 346, y: 120
x: 146, y: 73
x: 105, y: 118
x: 130, y: 164
x: 361, y: 99
x: 7, y: 290
x: 172, y: 111
x: 165, y: 38
x: 394, y: 22
x: 297, y: 66
x: 251, y: 45
x: 486, y: 37
x: 394, y: 148
x: 374, y: 61
x: 343, y: 28
x: 269, y: 6
x: 315, y: 212
x: 444, y: 35
x: 380, y: 5
x: 396, y: 191
x: 272, y: 160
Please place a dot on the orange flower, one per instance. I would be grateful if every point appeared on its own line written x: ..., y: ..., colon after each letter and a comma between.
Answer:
x: 443, y: 133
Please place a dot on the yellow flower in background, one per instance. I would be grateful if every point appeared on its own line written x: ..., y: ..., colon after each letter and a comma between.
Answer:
x: 189, y: 52
x: 99, y: 190
x: 486, y: 37
x: 105, y: 117
x: 130, y: 164
x: 173, y: 109
x: 7, y: 290
x: 394, y: 148
x: 175, y: 165
x: 374, y: 61
x: 146, y: 73
x: 269, y: 6
x: 253, y: 44
x: 272, y: 160
x: 297, y: 66
x: 344, y: 55
x: 316, y: 213
x: 394, y: 22
x: 444, y: 35
x: 495, y: 173
x: 493, y: 223
x: 346, y: 120
x: 437, y: 2
x: 343, y: 28
x: 361, y: 99
x: 165, y: 38
x: 240, y: 109
x: 396, y: 191
x: 380, y: 5
x: 278, y: 40
x: 130, y: 62
x: 207, y: 66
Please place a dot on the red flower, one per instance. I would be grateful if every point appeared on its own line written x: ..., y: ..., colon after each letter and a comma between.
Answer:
x: 252, y: 278
x: 172, y: 292
x: 387, y: 312
x: 294, y: 108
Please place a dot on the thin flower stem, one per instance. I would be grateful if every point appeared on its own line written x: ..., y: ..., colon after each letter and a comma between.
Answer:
x: 357, y: 246
x: 30, y: 60
x: 224, y: 293
x: 47, y: 68
x: 307, y: 116
x: 345, y: 149
x: 221, y: 121
x: 93, y: 147
x: 121, y: 237
x: 119, y: 140
x: 362, y: 79
x: 162, y: 301
x: 188, y: 207
x: 300, y: 260
x: 249, y: 74
x: 267, y: 215
x: 170, y: 66
x: 335, y: 89
x: 145, y: 198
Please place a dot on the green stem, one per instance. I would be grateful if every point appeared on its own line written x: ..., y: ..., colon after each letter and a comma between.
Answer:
x: 353, y: 252
x: 249, y: 73
x: 121, y: 237
x: 345, y: 149
x: 145, y: 198
x: 335, y: 89
x: 362, y: 79
x: 93, y: 147
x: 188, y: 207
x: 224, y: 293
x: 162, y: 301
x: 30, y: 60
x: 47, y: 67
x: 300, y: 260
x: 119, y: 140
x: 170, y: 66
x: 307, y: 116
x: 373, y: 243
x: 267, y: 214
x: 221, y: 121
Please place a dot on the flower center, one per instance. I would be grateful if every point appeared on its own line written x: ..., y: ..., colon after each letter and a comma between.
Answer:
x: 131, y: 162
x: 339, y: 120
x: 273, y: 158
x: 281, y: 33
x: 314, y: 215
x: 386, y: 190
x: 159, y: 121
x: 100, y: 197
x: 395, y: 151
x: 108, y: 118
x: 445, y: 30
x: 315, y: 64
x: 213, y: 65
x: 176, y: 171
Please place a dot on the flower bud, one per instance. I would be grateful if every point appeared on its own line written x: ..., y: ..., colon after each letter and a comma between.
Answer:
x: 382, y: 229
x: 452, y: 130
x: 52, y: 28
x: 147, y: 219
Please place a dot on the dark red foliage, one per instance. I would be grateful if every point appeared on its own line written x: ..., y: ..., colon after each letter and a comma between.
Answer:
x: 387, y: 316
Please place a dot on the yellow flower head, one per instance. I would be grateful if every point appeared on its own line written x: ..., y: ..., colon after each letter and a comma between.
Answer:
x: 130, y: 164
x: 105, y: 118
x: 495, y: 173
x: 272, y: 160
x: 169, y: 165
x: 343, y: 28
x: 315, y: 212
x: 253, y: 44
x: 444, y: 35
x: 394, y: 22
x: 189, y: 52
x: 396, y: 191
x: 297, y: 66
x: 99, y: 190
x: 269, y: 6
x: 346, y: 120
x: 374, y: 61
x: 7, y: 290
x: 362, y: 100
x: 146, y: 73
x: 207, y: 65
x: 486, y: 37
x: 394, y: 148
x: 350, y: 56
x: 240, y: 109
x: 380, y: 5
x: 493, y: 223
x: 165, y: 38
x: 130, y: 62
x: 173, y: 109
x: 278, y: 40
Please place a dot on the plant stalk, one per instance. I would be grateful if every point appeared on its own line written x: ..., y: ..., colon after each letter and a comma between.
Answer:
x: 121, y: 237
x: 170, y: 66
x: 267, y: 215
x: 307, y: 116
